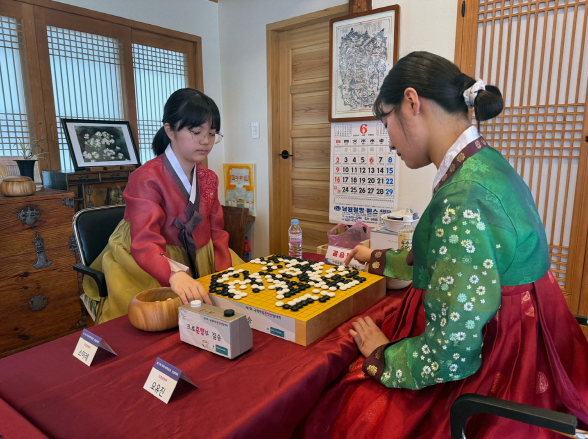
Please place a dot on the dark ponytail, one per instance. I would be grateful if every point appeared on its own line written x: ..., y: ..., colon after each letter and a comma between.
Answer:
x: 160, y: 142
x: 435, y: 78
x: 189, y: 108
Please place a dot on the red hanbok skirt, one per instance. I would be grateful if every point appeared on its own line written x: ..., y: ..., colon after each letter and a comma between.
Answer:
x: 534, y: 353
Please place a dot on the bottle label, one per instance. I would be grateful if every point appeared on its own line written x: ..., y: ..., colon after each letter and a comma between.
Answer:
x: 405, y: 240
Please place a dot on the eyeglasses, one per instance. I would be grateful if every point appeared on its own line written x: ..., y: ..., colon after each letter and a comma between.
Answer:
x: 198, y: 137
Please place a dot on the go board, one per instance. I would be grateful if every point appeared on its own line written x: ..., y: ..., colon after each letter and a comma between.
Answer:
x: 311, y: 302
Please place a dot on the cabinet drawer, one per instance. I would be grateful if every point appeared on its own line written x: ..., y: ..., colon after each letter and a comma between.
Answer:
x: 37, y: 307
x: 115, y: 175
x: 83, y: 178
x: 18, y: 268
x: 34, y: 215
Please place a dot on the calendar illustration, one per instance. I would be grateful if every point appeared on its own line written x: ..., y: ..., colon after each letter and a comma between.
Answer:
x: 363, y: 173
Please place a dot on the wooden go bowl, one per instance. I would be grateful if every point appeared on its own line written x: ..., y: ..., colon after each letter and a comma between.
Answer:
x: 151, y: 311
x: 17, y: 187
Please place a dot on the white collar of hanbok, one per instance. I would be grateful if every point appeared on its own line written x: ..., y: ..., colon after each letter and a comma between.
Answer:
x: 190, y: 188
x: 467, y: 137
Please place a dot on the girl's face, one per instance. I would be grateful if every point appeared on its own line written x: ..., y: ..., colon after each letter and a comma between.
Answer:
x: 404, y: 133
x: 191, y: 145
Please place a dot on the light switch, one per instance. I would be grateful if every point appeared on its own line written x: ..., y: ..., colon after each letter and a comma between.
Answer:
x: 255, y: 130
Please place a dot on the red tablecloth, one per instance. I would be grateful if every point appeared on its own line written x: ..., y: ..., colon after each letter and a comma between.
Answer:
x: 264, y: 393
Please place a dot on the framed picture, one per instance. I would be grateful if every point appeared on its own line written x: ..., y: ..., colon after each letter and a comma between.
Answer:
x: 100, y: 143
x: 363, y: 49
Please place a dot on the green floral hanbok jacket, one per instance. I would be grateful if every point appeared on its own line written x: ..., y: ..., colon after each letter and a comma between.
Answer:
x: 480, y: 232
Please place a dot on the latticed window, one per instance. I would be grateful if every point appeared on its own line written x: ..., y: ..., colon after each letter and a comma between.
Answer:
x: 86, y: 77
x: 158, y: 73
x: 14, y: 119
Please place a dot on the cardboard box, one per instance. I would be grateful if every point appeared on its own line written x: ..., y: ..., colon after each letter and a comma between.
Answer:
x: 384, y: 238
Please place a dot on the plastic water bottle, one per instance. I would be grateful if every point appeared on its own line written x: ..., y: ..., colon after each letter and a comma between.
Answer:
x: 406, y: 232
x: 295, y: 239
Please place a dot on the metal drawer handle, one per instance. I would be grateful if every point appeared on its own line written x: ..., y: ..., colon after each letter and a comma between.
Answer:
x: 42, y: 260
x: 29, y: 217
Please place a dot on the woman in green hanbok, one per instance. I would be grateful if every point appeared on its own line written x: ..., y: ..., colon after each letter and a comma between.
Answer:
x: 484, y: 314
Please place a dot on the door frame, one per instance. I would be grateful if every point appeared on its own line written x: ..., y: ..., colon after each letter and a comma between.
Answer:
x: 275, y: 116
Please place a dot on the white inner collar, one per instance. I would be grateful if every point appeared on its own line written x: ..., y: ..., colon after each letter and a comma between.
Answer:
x: 191, y: 188
x: 467, y: 137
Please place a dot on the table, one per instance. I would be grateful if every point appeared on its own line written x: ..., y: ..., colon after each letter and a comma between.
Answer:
x: 264, y: 393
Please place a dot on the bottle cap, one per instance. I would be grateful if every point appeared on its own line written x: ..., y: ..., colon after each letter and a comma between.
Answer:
x: 294, y: 222
x: 195, y: 303
x: 229, y: 312
x: 407, y: 218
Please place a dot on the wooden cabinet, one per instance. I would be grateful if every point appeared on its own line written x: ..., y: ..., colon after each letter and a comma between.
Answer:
x: 38, y: 287
x: 90, y: 188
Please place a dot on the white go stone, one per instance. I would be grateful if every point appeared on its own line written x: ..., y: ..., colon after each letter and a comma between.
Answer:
x: 330, y: 289
x: 280, y: 296
x: 316, y: 290
x: 279, y: 303
x: 243, y: 287
x: 331, y: 294
x: 237, y: 296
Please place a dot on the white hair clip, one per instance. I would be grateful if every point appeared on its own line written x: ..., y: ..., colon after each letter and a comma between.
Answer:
x: 469, y: 95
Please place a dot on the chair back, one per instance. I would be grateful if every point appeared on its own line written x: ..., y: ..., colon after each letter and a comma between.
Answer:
x: 236, y: 219
x: 93, y: 227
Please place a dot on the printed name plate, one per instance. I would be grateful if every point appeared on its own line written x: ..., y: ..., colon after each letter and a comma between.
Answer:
x: 337, y: 255
x: 163, y: 378
x: 88, y: 345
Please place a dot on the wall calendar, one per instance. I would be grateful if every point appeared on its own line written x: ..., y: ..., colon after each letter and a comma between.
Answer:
x: 363, y: 173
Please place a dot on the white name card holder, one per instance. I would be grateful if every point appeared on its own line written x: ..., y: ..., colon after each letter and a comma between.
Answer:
x: 337, y: 255
x: 163, y: 379
x: 88, y: 345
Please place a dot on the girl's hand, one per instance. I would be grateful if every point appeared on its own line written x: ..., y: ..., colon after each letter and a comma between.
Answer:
x: 360, y: 253
x: 187, y: 288
x: 367, y: 336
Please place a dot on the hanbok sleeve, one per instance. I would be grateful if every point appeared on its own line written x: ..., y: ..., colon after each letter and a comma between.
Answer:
x: 471, y: 241
x: 147, y: 218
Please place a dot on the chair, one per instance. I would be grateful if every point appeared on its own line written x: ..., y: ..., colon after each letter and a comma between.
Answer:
x: 236, y: 219
x: 92, y: 229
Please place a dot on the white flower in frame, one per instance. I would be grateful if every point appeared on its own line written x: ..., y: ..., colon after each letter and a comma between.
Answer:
x: 468, y: 306
x: 439, y: 233
x: 474, y: 279
x: 454, y: 316
x: 488, y: 263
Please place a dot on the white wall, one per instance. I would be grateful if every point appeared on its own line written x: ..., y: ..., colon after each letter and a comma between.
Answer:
x: 424, y: 25
x: 196, y: 17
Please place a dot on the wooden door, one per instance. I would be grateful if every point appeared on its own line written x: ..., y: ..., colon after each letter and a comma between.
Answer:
x: 298, y: 75
x: 536, y: 52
